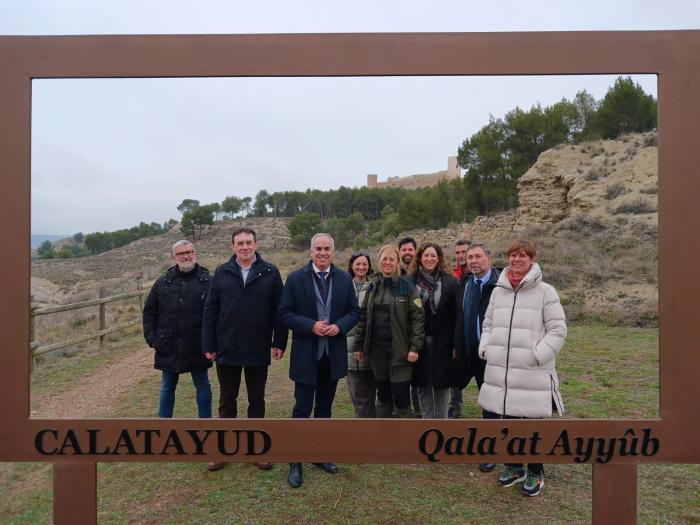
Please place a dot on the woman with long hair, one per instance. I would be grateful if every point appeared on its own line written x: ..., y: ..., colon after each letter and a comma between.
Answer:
x: 390, y: 333
x: 360, y: 378
x: 435, y: 373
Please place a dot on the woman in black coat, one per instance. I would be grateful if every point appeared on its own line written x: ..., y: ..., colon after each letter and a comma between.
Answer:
x: 172, y: 326
x: 435, y: 372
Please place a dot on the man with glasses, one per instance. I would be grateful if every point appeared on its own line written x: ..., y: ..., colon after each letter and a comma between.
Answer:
x: 172, y: 326
x: 472, y: 301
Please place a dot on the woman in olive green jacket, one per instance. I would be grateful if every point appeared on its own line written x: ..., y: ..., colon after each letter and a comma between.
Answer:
x: 391, y: 333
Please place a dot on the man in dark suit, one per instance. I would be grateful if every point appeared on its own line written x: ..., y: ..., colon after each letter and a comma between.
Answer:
x: 319, y: 305
x: 472, y: 301
x: 240, y: 326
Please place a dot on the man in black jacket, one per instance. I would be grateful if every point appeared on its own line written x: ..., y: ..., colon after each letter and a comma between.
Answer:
x: 472, y: 301
x: 239, y: 321
x: 172, y: 325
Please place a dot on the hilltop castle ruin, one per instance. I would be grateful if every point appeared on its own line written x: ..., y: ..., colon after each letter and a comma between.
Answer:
x: 419, y: 180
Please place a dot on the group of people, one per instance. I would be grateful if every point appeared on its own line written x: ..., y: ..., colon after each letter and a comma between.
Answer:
x: 411, y: 334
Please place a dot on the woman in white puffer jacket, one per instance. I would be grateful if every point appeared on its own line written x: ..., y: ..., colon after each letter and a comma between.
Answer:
x: 523, y: 331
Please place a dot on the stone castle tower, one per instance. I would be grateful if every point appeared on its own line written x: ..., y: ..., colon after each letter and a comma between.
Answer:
x: 420, y: 180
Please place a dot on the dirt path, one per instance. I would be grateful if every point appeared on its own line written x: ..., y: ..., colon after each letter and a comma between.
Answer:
x: 96, y: 394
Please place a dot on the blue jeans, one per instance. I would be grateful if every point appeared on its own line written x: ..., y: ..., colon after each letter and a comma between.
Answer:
x: 200, y: 378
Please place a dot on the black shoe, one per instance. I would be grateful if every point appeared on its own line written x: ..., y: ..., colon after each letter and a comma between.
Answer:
x: 487, y: 467
x: 330, y: 468
x: 295, y: 478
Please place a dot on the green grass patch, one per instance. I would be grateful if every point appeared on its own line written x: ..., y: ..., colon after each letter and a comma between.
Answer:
x: 56, y: 372
x: 607, y: 372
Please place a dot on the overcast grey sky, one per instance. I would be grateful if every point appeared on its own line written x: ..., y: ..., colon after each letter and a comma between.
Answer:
x: 107, y: 154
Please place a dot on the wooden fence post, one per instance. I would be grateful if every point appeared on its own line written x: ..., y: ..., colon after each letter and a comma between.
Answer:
x: 102, y: 319
x: 32, y: 335
x: 140, y: 297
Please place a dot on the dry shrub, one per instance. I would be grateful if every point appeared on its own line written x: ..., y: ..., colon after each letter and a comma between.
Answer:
x: 614, y: 191
x: 581, y: 223
x: 652, y: 189
x: 594, y: 173
x: 650, y: 140
x: 636, y: 206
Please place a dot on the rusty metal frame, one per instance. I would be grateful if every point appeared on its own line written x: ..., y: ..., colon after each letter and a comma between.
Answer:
x: 672, y: 55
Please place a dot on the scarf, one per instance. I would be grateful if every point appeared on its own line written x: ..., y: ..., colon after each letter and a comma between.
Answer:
x: 429, y: 289
x: 514, y: 281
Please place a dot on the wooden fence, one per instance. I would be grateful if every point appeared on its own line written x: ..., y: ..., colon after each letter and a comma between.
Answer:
x: 102, y: 329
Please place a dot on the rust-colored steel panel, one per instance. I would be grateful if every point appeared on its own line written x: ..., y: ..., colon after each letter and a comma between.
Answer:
x: 673, y: 55
x: 615, y: 447
x: 75, y: 493
x: 614, y: 494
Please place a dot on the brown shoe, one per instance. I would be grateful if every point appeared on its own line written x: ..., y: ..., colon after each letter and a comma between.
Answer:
x: 264, y: 466
x: 214, y: 466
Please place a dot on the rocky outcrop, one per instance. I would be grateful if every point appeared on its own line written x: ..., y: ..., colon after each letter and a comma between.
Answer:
x: 600, y: 178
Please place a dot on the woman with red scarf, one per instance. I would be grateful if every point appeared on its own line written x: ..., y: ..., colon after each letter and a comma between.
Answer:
x: 523, y: 331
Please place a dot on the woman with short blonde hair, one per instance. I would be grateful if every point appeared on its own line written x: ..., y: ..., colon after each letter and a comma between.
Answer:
x: 390, y: 332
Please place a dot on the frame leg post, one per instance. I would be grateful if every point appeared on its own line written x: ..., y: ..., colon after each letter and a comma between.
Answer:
x: 74, y: 493
x: 614, y: 494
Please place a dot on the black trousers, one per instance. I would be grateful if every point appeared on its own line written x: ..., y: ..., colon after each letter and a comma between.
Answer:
x: 317, y: 398
x: 535, y: 468
x: 476, y: 368
x: 230, y: 384
x: 399, y: 393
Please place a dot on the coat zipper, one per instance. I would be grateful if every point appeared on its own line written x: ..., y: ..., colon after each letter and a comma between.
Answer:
x: 510, y: 329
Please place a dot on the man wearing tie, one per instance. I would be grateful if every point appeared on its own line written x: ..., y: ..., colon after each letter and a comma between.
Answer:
x: 319, y: 305
x: 472, y: 301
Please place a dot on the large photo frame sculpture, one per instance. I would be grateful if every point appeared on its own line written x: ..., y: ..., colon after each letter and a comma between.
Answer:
x: 75, y: 446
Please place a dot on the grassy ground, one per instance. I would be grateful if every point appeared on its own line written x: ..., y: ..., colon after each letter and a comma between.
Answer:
x: 605, y: 372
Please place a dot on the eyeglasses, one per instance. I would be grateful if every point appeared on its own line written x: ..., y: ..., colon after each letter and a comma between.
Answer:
x: 184, y: 254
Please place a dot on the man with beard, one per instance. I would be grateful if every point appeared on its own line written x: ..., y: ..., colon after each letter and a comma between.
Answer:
x: 238, y: 325
x: 472, y: 301
x: 319, y: 305
x: 172, y: 325
x: 407, y: 251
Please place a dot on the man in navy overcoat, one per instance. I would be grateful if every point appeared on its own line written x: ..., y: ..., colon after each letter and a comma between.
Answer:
x: 320, y: 307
